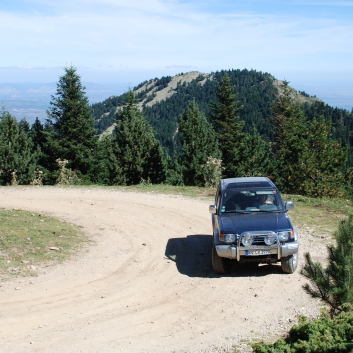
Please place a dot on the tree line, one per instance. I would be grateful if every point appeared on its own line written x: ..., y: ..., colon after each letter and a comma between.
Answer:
x: 302, y: 157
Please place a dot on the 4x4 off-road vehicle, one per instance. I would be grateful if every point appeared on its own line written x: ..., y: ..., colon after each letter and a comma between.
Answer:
x: 251, y: 224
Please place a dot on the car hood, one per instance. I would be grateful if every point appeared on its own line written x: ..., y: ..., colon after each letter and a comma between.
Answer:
x: 260, y: 221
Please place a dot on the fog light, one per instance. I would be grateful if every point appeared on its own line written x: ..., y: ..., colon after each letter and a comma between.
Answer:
x: 247, y: 239
x: 270, y: 239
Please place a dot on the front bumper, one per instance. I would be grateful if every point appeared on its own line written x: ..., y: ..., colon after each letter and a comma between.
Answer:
x: 235, y: 252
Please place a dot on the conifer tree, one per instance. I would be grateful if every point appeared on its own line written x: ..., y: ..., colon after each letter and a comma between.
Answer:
x: 333, y: 284
x: 228, y: 126
x: 99, y: 170
x: 198, y: 142
x: 136, y: 154
x: 290, y: 132
x: 69, y: 131
x: 256, y: 156
x: 324, y: 160
x: 18, y: 157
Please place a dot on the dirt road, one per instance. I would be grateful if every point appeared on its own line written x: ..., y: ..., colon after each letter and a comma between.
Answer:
x: 146, y: 285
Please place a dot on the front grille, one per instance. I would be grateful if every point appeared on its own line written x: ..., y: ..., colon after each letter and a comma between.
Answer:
x: 259, y: 240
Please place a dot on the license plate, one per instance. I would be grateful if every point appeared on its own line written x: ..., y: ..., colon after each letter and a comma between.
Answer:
x: 257, y: 252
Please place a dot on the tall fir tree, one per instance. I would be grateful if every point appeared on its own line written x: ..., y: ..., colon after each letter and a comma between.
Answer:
x: 99, y: 170
x: 290, y: 132
x: 324, y: 160
x: 69, y: 131
x: 228, y: 126
x: 256, y: 156
x: 136, y: 154
x: 198, y: 142
x: 18, y: 156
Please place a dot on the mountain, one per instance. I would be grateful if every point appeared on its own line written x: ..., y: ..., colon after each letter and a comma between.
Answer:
x: 163, y: 101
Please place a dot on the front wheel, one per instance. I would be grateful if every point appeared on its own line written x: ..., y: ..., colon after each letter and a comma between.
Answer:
x: 289, y: 263
x: 220, y: 264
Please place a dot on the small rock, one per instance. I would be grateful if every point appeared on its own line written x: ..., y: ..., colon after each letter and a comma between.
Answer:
x: 33, y: 268
x: 144, y: 244
x: 24, y: 261
x: 54, y: 248
x: 17, y: 288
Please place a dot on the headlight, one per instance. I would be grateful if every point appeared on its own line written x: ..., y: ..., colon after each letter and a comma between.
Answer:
x: 229, y: 238
x: 270, y: 239
x: 284, y: 236
x: 247, y: 239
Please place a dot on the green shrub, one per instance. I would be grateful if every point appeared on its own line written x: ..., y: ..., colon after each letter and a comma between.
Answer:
x: 322, y: 335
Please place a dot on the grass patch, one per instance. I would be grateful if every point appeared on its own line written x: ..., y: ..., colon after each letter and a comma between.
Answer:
x: 322, y: 215
x: 29, y: 239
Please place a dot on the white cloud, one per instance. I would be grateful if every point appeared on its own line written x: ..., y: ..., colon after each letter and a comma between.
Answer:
x: 156, y: 33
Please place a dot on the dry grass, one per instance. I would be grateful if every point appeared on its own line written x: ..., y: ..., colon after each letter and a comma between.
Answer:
x: 29, y: 240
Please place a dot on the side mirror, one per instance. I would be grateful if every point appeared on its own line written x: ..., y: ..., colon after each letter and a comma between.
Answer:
x: 213, y: 209
x: 289, y: 205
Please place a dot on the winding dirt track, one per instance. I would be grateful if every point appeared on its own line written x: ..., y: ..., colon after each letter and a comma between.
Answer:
x: 146, y: 285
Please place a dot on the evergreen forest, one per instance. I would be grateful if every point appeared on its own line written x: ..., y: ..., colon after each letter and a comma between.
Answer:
x: 190, y: 129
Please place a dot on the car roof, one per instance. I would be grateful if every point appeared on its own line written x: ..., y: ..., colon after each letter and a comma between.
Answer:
x: 247, y: 182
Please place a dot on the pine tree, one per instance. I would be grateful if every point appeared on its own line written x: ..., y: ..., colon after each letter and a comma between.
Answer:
x: 324, y: 160
x: 99, y: 170
x: 198, y: 142
x: 228, y: 126
x: 18, y: 157
x: 333, y: 284
x: 256, y: 156
x: 69, y: 131
x: 136, y: 154
x: 290, y: 132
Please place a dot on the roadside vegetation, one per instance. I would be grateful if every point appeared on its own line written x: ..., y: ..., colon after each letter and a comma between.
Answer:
x: 29, y: 241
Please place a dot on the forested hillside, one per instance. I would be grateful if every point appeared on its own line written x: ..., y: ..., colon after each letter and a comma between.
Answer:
x: 163, y: 104
x: 256, y: 91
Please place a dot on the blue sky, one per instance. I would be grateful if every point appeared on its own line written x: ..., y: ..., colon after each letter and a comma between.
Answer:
x: 306, y: 42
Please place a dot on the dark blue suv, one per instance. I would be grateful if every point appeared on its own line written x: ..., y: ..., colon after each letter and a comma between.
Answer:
x: 250, y: 224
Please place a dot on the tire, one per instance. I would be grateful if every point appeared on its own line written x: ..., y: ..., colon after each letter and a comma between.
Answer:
x: 289, y: 263
x: 220, y: 264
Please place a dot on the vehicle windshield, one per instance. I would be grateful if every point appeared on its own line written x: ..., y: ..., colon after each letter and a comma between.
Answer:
x: 253, y: 200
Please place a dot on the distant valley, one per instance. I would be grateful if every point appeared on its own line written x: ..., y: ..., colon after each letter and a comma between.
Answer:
x: 30, y: 100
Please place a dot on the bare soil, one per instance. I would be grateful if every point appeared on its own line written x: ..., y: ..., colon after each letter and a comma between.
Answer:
x: 146, y: 283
